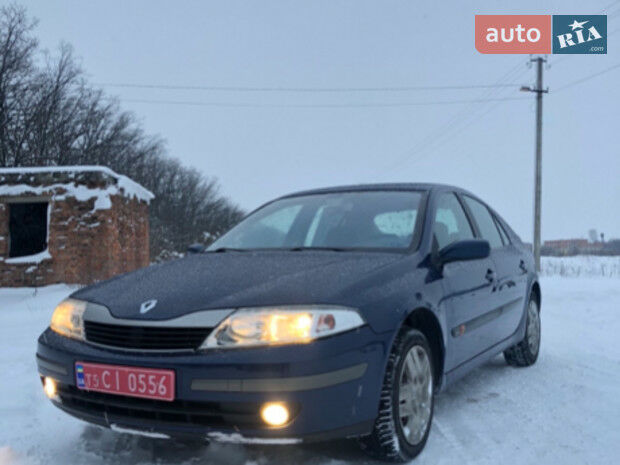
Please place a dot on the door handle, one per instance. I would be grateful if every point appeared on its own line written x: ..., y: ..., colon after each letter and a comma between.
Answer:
x: 490, y: 276
x: 522, y: 267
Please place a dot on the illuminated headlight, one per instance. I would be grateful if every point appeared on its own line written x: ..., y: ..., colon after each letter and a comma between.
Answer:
x: 68, y: 318
x: 281, y: 325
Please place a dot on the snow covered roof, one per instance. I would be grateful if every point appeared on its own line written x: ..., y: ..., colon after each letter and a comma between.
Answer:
x: 71, y: 181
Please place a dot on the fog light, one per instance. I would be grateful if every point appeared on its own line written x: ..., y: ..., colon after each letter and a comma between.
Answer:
x: 274, y: 414
x: 49, y: 386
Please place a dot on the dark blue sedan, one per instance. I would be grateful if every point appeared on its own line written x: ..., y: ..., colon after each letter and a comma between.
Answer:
x: 328, y: 313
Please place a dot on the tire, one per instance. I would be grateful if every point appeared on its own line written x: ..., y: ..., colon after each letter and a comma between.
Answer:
x: 525, y: 353
x: 397, y: 438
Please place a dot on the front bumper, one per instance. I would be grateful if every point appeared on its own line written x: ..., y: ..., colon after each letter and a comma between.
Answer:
x: 331, y: 385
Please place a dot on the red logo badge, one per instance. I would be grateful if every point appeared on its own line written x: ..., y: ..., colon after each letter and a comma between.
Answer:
x: 513, y: 34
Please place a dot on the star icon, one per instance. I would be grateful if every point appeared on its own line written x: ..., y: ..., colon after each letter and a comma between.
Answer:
x: 577, y: 25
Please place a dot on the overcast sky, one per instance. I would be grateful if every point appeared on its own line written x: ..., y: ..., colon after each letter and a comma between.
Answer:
x: 260, y: 152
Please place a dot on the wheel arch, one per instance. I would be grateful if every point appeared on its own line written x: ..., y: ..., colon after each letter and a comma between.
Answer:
x: 535, y: 292
x: 425, y: 321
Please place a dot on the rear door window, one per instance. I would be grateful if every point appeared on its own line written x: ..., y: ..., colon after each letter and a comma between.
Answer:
x: 502, y: 233
x: 484, y: 220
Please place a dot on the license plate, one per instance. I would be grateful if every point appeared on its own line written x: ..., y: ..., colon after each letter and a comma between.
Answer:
x: 127, y: 381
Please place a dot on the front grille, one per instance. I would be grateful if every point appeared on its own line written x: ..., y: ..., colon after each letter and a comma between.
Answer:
x: 145, y: 337
x: 115, y: 408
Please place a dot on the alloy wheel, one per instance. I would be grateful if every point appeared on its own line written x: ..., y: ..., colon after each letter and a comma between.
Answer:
x: 415, y: 394
x: 533, y: 327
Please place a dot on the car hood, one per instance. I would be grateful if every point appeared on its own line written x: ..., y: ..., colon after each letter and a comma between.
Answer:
x: 236, y: 279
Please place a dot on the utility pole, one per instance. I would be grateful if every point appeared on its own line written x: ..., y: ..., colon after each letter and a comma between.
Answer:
x: 538, y: 163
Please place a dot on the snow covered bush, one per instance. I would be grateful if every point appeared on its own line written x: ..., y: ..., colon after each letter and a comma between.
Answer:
x: 581, y: 266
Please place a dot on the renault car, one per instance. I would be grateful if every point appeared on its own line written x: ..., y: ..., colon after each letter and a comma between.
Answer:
x: 323, y: 314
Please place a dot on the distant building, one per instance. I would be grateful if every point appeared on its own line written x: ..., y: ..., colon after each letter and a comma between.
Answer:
x: 73, y: 224
x: 571, y: 247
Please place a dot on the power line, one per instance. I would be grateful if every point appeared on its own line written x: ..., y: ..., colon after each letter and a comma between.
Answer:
x: 458, y: 122
x: 459, y: 116
x: 609, y: 6
x: 442, y: 141
x: 302, y: 89
x: 565, y: 57
x: 586, y: 78
x: 312, y: 105
x: 452, y: 126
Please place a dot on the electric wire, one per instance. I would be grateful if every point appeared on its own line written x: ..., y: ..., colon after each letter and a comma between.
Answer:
x: 304, y: 89
x: 610, y: 5
x: 587, y: 78
x: 455, y: 125
x: 312, y: 105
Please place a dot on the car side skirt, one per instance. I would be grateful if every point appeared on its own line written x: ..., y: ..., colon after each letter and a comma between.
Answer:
x: 464, y: 368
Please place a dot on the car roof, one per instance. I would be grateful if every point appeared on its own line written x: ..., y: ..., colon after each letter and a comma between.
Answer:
x: 413, y: 186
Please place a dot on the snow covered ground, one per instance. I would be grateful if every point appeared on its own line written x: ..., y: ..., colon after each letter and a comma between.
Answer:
x: 581, y: 266
x: 565, y: 409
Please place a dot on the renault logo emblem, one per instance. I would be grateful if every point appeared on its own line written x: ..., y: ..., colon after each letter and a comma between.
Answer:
x: 148, y: 305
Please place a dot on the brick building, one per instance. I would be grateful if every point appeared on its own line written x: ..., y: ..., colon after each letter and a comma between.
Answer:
x: 572, y: 247
x: 565, y: 246
x: 72, y: 224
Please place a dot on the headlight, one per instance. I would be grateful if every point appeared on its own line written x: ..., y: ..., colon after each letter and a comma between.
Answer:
x: 281, y: 325
x: 68, y: 318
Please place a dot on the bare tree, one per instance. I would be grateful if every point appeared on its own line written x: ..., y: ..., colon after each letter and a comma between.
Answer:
x: 50, y: 115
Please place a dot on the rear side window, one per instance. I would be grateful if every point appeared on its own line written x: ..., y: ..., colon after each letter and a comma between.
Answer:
x: 502, y: 233
x: 450, y: 224
x: 486, y: 223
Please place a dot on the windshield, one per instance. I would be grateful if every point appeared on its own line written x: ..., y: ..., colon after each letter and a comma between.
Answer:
x: 339, y: 220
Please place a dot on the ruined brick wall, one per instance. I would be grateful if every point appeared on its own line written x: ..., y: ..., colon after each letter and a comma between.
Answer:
x: 4, y: 230
x: 79, y: 242
x: 132, y: 221
x: 86, y: 243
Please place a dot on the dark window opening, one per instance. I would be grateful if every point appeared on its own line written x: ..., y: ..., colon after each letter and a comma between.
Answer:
x: 27, y: 228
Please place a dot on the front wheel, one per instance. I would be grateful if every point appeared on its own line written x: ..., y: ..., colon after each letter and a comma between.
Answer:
x: 525, y: 353
x: 406, y: 406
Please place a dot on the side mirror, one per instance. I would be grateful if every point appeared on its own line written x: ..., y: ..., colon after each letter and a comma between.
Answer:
x: 469, y: 249
x: 196, y: 248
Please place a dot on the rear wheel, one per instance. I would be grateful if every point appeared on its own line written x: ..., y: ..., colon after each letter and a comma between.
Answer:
x: 525, y: 353
x: 406, y: 407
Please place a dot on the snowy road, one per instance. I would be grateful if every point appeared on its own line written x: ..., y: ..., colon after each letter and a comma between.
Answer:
x: 565, y: 409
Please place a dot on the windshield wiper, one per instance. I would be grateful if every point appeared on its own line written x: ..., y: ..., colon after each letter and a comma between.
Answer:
x: 227, y: 249
x: 292, y: 249
x: 333, y: 249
